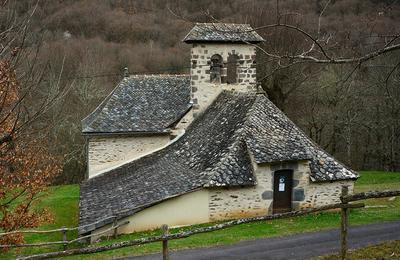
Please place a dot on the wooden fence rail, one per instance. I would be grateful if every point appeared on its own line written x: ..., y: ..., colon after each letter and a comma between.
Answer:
x: 55, y: 230
x: 370, y: 195
x: 66, y: 242
x: 344, y: 206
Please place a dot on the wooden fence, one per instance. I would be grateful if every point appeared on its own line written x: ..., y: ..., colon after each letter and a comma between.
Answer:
x: 344, y: 206
x: 65, y: 242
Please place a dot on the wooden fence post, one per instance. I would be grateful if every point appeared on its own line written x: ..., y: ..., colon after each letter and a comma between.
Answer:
x: 64, y: 233
x: 165, y: 232
x: 115, y: 224
x: 344, y: 224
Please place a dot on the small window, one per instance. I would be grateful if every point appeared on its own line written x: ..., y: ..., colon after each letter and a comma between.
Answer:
x: 216, y: 68
x: 231, y: 70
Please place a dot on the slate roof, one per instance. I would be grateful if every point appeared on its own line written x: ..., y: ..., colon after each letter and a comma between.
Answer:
x: 211, y: 153
x: 273, y: 137
x: 222, y: 32
x: 215, y: 151
x: 141, y: 103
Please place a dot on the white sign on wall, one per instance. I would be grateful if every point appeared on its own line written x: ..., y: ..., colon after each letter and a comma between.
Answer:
x: 281, y: 184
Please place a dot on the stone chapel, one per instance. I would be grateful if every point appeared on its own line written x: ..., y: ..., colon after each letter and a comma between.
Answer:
x: 204, y: 147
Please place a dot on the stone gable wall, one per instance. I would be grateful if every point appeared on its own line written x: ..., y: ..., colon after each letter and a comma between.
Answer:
x: 231, y: 203
x: 107, y: 152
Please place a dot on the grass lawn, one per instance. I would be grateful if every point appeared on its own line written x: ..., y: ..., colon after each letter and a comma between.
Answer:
x: 387, y: 250
x: 63, y: 201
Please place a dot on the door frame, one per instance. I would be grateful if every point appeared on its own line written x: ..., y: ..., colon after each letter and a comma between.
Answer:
x: 291, y: 172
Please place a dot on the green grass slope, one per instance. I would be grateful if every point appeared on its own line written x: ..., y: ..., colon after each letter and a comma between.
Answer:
x: 63, y: 202
x: 386, y: 250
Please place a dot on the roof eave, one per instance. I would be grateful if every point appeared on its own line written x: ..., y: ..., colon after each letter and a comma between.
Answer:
x: 132, y: 133
x: 334, y: 180
x: 222, y: 41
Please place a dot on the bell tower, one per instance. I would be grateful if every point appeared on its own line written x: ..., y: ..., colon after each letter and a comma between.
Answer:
x: 223, y: 57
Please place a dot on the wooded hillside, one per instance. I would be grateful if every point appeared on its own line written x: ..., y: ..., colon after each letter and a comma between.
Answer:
x: 352, y: 109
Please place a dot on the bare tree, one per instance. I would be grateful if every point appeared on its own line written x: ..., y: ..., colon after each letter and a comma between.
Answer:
x: 26, y: 166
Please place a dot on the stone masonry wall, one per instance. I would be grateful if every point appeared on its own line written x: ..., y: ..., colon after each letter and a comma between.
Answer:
x: 301, y: 176
x: 203, y: 91
x: 319, y: 194
x: 104, y: 153
x: 230, y: 203
x: 307, y: 194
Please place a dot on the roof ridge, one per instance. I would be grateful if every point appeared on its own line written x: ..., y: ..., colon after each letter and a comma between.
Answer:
x: 222, y: 32
x: 225, y: 23
x: 234, y: 146
x: 161, y: 75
